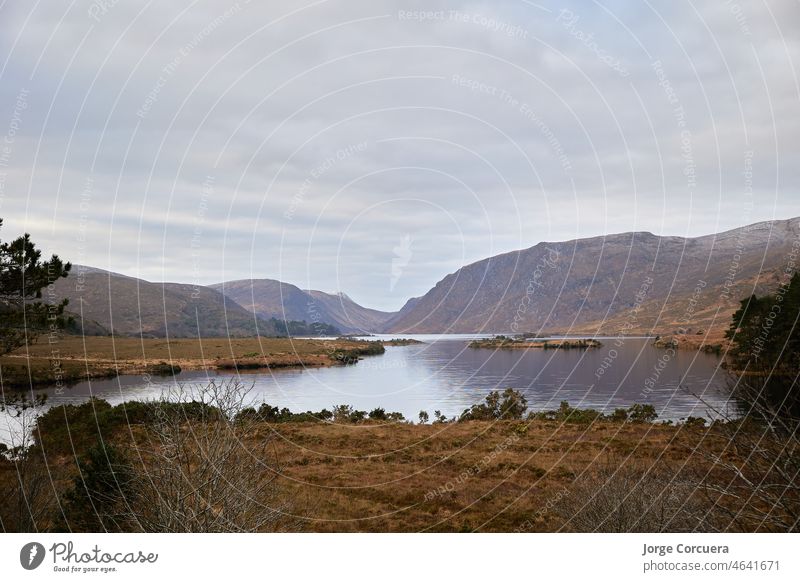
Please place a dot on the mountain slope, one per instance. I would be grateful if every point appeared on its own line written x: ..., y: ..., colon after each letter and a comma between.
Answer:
x: 349, y: 315
x: 128, y: 306
x: 633, y: 282
x: 269, y: 298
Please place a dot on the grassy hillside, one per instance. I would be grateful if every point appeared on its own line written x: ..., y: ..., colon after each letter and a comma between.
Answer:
x: 633, y: 282
x: 127, y: 306
x: 268, y: 298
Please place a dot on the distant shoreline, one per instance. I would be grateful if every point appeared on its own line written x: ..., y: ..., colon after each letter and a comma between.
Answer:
x: 75, y: 359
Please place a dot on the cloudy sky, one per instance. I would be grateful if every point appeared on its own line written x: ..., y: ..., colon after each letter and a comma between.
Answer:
x: 369, y: 147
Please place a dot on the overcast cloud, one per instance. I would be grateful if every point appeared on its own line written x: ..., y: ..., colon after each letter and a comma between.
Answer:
x: 363, y: 147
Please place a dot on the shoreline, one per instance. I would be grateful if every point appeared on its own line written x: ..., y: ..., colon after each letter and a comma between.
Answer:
x: 75, y: 359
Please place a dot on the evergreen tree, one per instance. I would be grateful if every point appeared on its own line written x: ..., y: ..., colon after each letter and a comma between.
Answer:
x: 23, y: 276
x: 765, y: 350
x: 764, y: 333
x: 100, y: 494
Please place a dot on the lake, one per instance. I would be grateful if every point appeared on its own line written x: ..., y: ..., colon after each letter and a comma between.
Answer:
x: 445, y: 374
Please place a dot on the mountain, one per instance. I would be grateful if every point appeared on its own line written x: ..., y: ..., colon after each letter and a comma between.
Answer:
x: 268, y: 298
x: 634, y: 282
x: 109, y: 302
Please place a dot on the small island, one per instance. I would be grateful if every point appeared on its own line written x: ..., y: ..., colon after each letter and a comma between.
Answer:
x: 401, y: 342
x: 503, y: 342
x: 683, y: 341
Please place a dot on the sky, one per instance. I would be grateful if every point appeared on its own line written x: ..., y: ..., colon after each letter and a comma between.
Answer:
x: 373, y: 147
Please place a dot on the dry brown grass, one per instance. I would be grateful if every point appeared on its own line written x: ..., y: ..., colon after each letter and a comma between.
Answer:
x: 505, y: 476
x: 472, y: 476
x: 76, y: 358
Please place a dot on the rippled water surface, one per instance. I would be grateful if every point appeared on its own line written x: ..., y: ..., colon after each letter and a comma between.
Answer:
x: 444, y: 374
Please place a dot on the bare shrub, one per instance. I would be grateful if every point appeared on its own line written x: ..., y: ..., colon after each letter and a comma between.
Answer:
x: 28, y: 504
x: 28, y: 501
x: 753, y: 483
x: 618, y: 497
x: 204, y: 468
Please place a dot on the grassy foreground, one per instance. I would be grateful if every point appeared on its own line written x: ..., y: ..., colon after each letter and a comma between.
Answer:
x: 467, y: 476
x: 72, y: 359
x: 189, y: 467
x: 400, y: 477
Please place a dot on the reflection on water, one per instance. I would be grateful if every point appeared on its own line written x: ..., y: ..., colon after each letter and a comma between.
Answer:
x: 444, y: 374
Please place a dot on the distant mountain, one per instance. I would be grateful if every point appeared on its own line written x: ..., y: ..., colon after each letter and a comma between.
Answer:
x: 634, y: 282
x: 269, y: 298
x: 114, y: 303
x: 349, y: 315
x: 303, y: 328
x: 398, y: 316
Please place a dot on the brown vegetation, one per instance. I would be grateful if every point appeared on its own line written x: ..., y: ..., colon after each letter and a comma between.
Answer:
x: 465, y: 476
x: 401, y: 342
x: 712, y: 342
x: 509, y: 475
x: 73, y: 359
x: 507, y: 343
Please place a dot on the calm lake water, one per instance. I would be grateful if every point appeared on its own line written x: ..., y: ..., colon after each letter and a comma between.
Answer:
x: 444, y: 374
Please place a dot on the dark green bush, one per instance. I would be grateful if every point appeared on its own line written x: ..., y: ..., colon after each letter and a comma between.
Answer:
x: 98, y: 499
x: 508, y: 405
x: 642, y: 413
x: 378, y: 414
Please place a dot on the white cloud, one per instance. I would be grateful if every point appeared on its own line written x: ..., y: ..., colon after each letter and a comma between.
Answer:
x: 154, y: 98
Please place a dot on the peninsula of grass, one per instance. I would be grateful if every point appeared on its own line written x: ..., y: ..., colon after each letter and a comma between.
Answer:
x: 74, y: 359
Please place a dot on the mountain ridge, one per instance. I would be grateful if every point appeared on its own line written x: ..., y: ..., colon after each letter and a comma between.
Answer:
x: 593, y: 276
x: 122, y: 305
x: 583, y: 285
x: 272, y: 298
